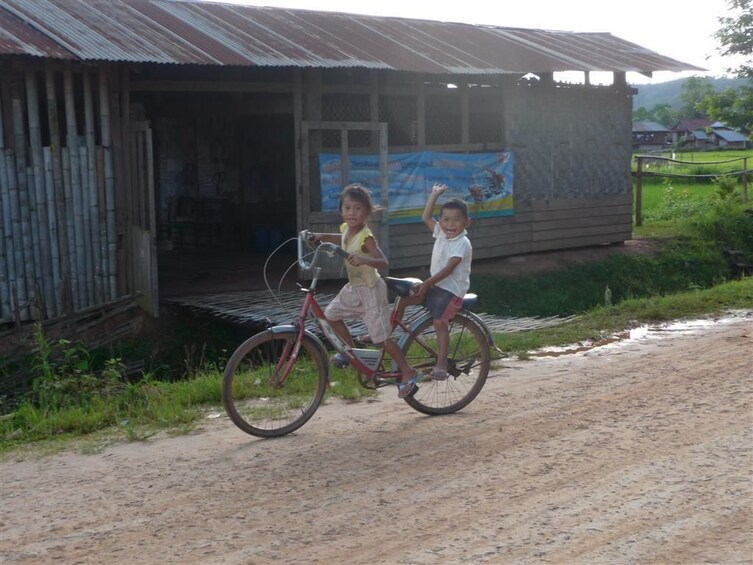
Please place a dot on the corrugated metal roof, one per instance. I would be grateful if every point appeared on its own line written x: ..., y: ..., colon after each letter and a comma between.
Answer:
x: 17, y: 37
x: 731, y: 135
x: 189, y: 32
x: 649, y: 127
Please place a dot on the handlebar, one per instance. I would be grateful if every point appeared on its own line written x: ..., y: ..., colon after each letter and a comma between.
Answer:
x: 330, y: 249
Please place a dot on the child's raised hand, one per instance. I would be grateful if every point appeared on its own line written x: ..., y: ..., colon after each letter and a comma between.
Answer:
x: 439, y: 188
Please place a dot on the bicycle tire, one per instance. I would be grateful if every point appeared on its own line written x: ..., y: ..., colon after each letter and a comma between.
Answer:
x: 468, y: 363
x: 251, y: 398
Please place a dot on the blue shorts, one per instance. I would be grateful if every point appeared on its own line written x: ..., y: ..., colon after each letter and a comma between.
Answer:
x: 442, y: 304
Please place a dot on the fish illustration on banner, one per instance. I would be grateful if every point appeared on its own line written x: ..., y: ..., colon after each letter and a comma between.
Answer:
x: 483, y: 180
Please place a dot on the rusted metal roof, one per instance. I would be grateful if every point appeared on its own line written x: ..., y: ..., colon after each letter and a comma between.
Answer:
x: 195, y: 32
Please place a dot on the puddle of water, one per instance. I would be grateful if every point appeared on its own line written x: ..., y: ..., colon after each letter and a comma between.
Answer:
x: 651, y: 331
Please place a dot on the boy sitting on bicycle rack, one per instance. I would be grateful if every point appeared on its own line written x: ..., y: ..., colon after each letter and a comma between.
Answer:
x: 364, y: 296
x: 450, y: 270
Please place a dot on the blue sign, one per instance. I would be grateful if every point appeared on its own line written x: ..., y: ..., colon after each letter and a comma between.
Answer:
x: 483, y: 180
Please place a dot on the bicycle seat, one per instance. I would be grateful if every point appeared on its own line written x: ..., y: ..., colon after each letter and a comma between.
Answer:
x: 401, y: 287
x: 471, y: 301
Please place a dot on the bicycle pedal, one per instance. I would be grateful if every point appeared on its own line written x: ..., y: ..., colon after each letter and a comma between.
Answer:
x: 340, y: 361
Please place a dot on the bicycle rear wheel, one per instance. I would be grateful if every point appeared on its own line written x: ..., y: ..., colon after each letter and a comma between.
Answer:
x: 468, y: 365
x: 258, y: 397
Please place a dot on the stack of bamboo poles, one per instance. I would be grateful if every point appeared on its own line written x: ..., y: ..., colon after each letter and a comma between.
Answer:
x: 57, y: 193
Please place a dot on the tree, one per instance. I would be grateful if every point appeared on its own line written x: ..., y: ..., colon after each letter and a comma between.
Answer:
x: 734, y: 107
x: 661, y: 113
x: 693, y: 94
x: 736, y: 34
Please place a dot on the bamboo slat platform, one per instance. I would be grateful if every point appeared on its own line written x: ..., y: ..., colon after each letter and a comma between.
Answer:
x: 259, y: 308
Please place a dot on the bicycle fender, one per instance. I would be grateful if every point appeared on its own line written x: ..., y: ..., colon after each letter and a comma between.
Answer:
x: 476, y: 318
x: 467, y: 313
x: 290, y: 328
x: 413, y: 327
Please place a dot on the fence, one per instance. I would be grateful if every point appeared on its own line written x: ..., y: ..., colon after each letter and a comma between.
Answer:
x: 646, y: 159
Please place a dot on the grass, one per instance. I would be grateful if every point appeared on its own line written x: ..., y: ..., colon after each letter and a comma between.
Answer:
x: 702, y: 162
x: 603, y: 321
x: 86, y: 399
x: 578, y: 289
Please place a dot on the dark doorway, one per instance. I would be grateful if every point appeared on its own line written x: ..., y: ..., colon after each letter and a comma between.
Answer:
x: 225, y: 188
x: 266, y: 211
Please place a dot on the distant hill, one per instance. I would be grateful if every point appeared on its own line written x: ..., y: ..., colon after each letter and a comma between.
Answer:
x: 650, y: 95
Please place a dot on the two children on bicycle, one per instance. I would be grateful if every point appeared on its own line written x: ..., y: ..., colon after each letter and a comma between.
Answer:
x: 365, y: 294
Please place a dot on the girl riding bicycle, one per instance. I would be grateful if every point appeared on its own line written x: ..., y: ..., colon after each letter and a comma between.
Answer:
x: 364, y: 296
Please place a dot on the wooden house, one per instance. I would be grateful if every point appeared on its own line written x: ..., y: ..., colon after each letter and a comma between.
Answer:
x: 650, y: 136
x: 725, y: 137
x: 130, y: 129
x: 687, y: 131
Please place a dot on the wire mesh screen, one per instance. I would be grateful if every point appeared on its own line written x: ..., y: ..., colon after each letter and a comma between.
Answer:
x: 400, y: 114
x: 485, y: 116
x: 485, y: 127
x: 442, y: 120
x: 338, y: 107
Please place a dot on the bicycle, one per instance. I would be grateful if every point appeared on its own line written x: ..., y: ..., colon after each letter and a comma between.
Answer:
x: 275, y: 381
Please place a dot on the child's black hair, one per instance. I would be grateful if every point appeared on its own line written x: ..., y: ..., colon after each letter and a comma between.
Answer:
x: 456, y: 204
x: 359, y: 193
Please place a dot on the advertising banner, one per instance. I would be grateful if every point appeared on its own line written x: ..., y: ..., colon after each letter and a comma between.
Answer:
x: 483, y: 180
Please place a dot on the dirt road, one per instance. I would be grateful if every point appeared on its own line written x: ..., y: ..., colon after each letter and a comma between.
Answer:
x: 637, y: 452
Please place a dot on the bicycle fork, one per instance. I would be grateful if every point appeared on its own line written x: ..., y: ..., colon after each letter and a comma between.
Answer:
x: 287, y: 360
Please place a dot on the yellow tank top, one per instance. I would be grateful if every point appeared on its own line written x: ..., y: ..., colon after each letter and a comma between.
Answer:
x: 363, y: 275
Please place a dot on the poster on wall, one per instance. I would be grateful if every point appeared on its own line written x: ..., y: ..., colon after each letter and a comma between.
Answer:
x: 483, y: 180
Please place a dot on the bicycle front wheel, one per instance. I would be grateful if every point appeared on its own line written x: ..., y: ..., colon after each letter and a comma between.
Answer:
x: 266, y: 392
x: 468, y: 363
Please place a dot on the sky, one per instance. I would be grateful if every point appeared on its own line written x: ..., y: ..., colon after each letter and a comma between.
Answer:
x: 680, y: 29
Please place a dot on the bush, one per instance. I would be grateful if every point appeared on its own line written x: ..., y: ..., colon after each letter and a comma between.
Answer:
x: 681, y: 265
x: 677, y: 204
x: 63, y: 375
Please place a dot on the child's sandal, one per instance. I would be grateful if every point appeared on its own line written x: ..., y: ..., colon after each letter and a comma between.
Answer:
x: 438, y: 374
x: 407, y: 388
x: 340, y: 361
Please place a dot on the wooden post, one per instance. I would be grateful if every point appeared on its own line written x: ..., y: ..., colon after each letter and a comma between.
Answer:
x: 344, y: 158
x: 112, y: 244
x: 152, y: 218
x: 420, y: 140
x: 43, y: 218
x: 6, y: 263
x: 100, y: 156
x: 299, y: 159
x: 49, y: 183
x: 745, y: 180
x: 639, y: 192
x: 95, y: 220
x: 384, y: 188
x: 373, y: 108
x: 70, y: 230
x: 6, y: 233
x: 57, y: 179
x: 83, y: 276
x: 13, y: 237
x: 22, y: 228
x: 465, y: 113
